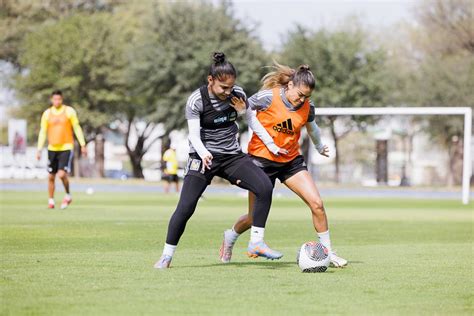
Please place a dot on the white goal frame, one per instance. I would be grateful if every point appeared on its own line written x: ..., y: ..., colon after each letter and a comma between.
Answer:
x: 465, y: 111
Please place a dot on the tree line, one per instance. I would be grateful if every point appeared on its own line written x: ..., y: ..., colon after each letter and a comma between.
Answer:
x: 138, y: 61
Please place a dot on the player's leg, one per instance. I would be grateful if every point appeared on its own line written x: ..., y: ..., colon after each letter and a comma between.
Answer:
x: 64, y: 166
x: 248, y: 176
x: 167, y: 183
x: 193, y: 187
x: 245, y: 221
x: 51, y: 187
x: 303, y: 185
x: 230, y: 235
x: 62, y: 175
x: 52, y: 170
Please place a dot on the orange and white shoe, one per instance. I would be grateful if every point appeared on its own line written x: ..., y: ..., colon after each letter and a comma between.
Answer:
x: 260, y: 249
x: 225, y: 253
x: 66, y: 202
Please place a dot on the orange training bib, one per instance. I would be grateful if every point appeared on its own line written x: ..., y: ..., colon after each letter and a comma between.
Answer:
x: 284, y: 127
x: 59, y: 129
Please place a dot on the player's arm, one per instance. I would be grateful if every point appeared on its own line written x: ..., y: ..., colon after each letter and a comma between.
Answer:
x: 77, y: 130
x: 193, y: 116
x: 260, y: 101
x: 42, y: 134
x: 194, y: 126
x: 314, y: 133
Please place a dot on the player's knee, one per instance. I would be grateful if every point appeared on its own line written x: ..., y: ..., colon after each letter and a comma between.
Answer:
x: 62, y: 174
x: 247, y: 221
x: 265, y: 190
x: 51, y: 176
x: 317, y: 206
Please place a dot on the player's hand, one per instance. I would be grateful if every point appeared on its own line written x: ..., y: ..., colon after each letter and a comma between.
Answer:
x: 324, y: 151
x: 282, y: 151
x: 38, y: 155
x: 84, y: 151
x: 206, y: 162
x: 238, y: 104
x: 277, y: 151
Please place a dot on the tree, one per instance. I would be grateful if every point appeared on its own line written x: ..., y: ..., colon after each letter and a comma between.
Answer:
x: 20, y: 17
x: 170, y: 59
x: 349, y: 73
x: 444, y: 73
x: 82, y: 56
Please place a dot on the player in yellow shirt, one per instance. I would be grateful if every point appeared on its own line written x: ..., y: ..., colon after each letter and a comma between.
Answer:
x: 57, y: 125
x: 171, y: 169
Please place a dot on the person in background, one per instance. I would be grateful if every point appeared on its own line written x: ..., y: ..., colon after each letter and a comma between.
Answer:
x: 58, y: 123
x: 171, y: 169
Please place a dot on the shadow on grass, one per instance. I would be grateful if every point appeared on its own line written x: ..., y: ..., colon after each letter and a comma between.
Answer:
x: 260, y: 265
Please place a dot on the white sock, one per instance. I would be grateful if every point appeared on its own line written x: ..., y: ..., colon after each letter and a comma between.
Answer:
x: 68, y: 196
x: 51, y: 201
x: 169, y: 250
x: 231, y: 235
x: 325, y: 240
x: 256, y: 234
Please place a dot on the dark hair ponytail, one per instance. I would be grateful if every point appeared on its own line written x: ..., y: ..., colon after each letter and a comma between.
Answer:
x: 220, y: 67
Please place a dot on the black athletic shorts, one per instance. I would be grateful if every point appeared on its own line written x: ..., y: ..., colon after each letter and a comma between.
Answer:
x: 223, y: 165
x: 170, y: 177
x: 59, y: 160
x: 280, y: 170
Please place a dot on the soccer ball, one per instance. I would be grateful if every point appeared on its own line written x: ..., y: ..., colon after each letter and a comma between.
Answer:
x: 313, y: 257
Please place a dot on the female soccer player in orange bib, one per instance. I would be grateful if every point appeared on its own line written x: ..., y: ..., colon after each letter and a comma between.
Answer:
x: 283, y: 107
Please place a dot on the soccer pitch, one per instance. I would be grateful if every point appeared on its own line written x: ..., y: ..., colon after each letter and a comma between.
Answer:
x: 405, y: 257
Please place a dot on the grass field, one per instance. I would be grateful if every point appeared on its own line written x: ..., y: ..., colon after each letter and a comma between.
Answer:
x: 406, y: 257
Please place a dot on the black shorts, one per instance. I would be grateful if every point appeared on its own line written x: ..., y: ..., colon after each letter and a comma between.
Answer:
x: 280, y: 170
x: 59, y: 160
x: 170, y: 177
x: 223, y: 165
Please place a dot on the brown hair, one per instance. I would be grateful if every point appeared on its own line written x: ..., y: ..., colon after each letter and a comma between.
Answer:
x: 281, y: 75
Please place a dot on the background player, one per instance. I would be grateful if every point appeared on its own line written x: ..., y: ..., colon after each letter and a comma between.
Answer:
x: 57, y: 125
x: 171, y: 169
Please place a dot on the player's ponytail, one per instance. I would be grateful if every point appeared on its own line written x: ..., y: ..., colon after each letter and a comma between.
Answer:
x: 304, y: 76
x: 281, y: 75
x: 220, y: 67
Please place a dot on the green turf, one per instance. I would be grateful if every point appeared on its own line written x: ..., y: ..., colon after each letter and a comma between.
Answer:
x: 406, y: 257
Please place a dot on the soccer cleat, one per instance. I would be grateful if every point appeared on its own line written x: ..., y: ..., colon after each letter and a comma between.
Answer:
x: 260, y: 249
x: 66, y: 202
x: 163, y: 263
x: 225, y: 253
x: 50, y: 205
x: 336, y: 261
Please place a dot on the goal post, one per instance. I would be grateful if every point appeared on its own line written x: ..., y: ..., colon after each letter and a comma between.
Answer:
x: 465, y: 111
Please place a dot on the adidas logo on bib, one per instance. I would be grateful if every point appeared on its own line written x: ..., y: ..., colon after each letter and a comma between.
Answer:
x: 284, y: 127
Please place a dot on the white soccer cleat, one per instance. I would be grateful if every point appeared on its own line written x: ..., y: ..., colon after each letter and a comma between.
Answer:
x: 225, y: 253
x: 66, y: 202
x: 163, y: 263
x: 336, y: 261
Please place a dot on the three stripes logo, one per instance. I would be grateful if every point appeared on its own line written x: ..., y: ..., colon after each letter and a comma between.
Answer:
x: 284, y: 127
